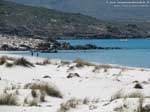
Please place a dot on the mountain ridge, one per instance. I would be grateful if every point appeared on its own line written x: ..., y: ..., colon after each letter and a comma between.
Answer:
x: 22, y: 20
x: 95, y: 8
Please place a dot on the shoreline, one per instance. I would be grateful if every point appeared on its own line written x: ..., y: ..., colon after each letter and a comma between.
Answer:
x: 148, y: 38
x: 13, y: 53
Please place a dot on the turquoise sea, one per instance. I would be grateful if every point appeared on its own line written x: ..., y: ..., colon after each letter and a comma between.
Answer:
x: 136, y: 52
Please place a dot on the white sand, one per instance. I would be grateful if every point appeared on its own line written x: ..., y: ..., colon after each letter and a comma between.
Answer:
x: 99, y: 87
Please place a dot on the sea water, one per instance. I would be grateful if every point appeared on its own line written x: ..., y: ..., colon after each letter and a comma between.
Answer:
x: 135, y: 52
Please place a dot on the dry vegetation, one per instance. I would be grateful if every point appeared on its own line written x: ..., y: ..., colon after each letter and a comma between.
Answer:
x: 72, y: 103
x: 37, y: 97
x: 34, y: 102
x: 34, y: 93
x: 65, y: 62
x: 23, y: 62
x: 45, y: 88
x: 45, y: 62
x: 4, y: 59
x: 15, y: 61
x: 117, y: 95
x: 135, y: 95
x: 81, y: 63
x: 8, y: 99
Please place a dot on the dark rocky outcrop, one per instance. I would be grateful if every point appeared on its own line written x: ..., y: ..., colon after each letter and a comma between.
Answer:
x: 68, y: 46
x: 47, y: 76
x: 71, y: 75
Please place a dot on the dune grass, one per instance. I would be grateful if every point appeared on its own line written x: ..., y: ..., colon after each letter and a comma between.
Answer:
x: 117, y: 95
x: 65, y: 62
x: 15, y: 61
x: 42, y: 96
x: 9, y: 65
x: 34, y: 93
x: 44, y: 62
x: 34, y: 102
x: 3, y: 60
x: 23, y: 62
x: 8, y: 99
x: 81, y: 63
x: 46, y: 88
x: 72, y: 103
x: 135, y: 95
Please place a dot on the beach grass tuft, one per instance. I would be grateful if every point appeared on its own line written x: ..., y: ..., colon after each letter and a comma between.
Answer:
x: 44, y: 62
x: 117, y: 95
x: 3, y: 60
x: 72, y: 103
x: 34, y: 102
x: 135, y: 95
x: 80, y: 63
x: 9, y: 65
x: 34, y: 93
x: 23, y: 62
x: 8, y: 99
x: 46, y: 88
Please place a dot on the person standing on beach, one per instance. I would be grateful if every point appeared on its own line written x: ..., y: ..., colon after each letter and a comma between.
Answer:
x: 37, y: 54
x: 31, y: 53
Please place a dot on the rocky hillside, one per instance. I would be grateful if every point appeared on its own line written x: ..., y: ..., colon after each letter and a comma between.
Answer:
x: 97, y: 8
x: 32, y: 21
x: 21, y: 20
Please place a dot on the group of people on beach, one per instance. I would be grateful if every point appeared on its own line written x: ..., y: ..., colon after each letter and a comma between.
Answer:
x: 32, y: 54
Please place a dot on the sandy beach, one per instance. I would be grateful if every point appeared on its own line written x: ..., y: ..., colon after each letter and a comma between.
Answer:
x: 74, y: 86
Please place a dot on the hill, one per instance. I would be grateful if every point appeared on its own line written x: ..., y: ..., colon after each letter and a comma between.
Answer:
x: 96, y: 8
x: 22, y: 20
x: 37, y: 21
